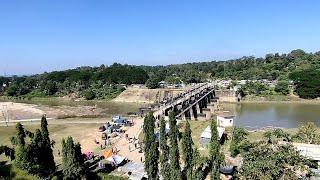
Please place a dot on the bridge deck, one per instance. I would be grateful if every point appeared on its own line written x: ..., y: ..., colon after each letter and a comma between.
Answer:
x: 186, y: 109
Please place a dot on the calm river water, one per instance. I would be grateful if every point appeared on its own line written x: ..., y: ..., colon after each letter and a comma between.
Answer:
x: 287, y: 115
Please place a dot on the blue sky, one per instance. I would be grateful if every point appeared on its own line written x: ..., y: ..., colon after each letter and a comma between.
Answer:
x: 38, y: 36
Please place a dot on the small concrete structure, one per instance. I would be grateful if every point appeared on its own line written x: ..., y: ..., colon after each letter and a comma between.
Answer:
x: 312, y: 151
x: 225, y: 120
x: 205, y: 137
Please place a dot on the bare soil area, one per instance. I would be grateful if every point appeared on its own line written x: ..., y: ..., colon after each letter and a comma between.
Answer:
x: 24, y: 111
x: 144, y: 95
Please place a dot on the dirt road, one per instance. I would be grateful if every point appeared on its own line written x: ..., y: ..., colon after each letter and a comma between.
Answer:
x: 123, y: 144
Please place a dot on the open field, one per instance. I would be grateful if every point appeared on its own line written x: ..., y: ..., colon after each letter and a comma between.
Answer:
x: 59, y: 109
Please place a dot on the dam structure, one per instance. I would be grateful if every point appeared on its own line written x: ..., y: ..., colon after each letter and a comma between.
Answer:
x: 196, y: 104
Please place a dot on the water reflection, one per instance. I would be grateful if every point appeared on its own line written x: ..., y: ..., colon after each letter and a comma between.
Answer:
x: 253, y: 116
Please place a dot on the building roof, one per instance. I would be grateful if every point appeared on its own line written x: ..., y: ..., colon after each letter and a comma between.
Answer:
x: 137, y: 170
x: 207, y: 132
x: 118, y: 119
x: 225, y: 114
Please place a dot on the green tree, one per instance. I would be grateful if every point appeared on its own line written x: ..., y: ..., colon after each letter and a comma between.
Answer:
x: 282, y: 87
x: 21, y: 154
x: 152, y: 82
x: 197, y: 165
x: 151, y: 149
x: 307, y: 83
x: 164, y: 150
x: 215, y: 155
x: 89, y: 95
x: 238, y: 136
x: 46, y: 153
x: 187, y: 149
x: 72, y: 160
x: 273, y: 161
x: 34, y: 154
x: 12, y: 90
x: 50, y: 87
x: 307, y: 133
x: 174, y: 149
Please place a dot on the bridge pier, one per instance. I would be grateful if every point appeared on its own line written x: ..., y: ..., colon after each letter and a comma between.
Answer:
x: 209, y: 98
x: 192, y: 114
x: 183, y: 117
x: 211, y: 106
x: 194, y: 105
x: 207, y: 113
x: 205, y: 103
x: 198, y: 108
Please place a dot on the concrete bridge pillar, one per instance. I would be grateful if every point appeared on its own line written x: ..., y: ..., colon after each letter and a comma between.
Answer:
x: 195, y: 112
x: 209, y: 98
x: 207, y: 112
x: 192, y: 115
x: 198, y: 108
x: 175, y: 109
x: 205, y: 102
x: 183, y: 116
x: 166, y: 112
x: 211, y: 106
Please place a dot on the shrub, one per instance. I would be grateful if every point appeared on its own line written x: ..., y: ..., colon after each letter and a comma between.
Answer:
x: 89, y: 95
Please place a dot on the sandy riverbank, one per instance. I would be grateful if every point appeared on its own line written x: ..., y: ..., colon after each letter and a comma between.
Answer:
x: 270, y: 99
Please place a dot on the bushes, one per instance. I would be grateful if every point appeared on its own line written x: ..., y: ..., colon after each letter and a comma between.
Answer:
x: 239, y: 141
x: 307, y: 83
x: 282, y: 87
x: 99, y: 91
x: 273, y: 161
x: 89, y: 95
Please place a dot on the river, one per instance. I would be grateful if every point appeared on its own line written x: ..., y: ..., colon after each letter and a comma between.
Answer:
x: 286, y: 115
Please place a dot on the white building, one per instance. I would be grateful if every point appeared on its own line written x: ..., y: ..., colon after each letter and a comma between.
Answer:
x: 225, y: 120
x: 205, y: 137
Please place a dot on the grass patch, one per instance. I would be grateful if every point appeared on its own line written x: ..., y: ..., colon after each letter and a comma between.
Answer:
x: 258, y: 135
x: 105, y: 176
x: 7, y: 171
x: 197, y: 127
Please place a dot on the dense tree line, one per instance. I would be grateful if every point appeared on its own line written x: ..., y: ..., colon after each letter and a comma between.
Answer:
x: 307, y: 82
x: 248, y: 67
x: 88, y: 81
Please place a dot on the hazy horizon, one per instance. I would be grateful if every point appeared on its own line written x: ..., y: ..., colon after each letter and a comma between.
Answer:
x: 45, y: 36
